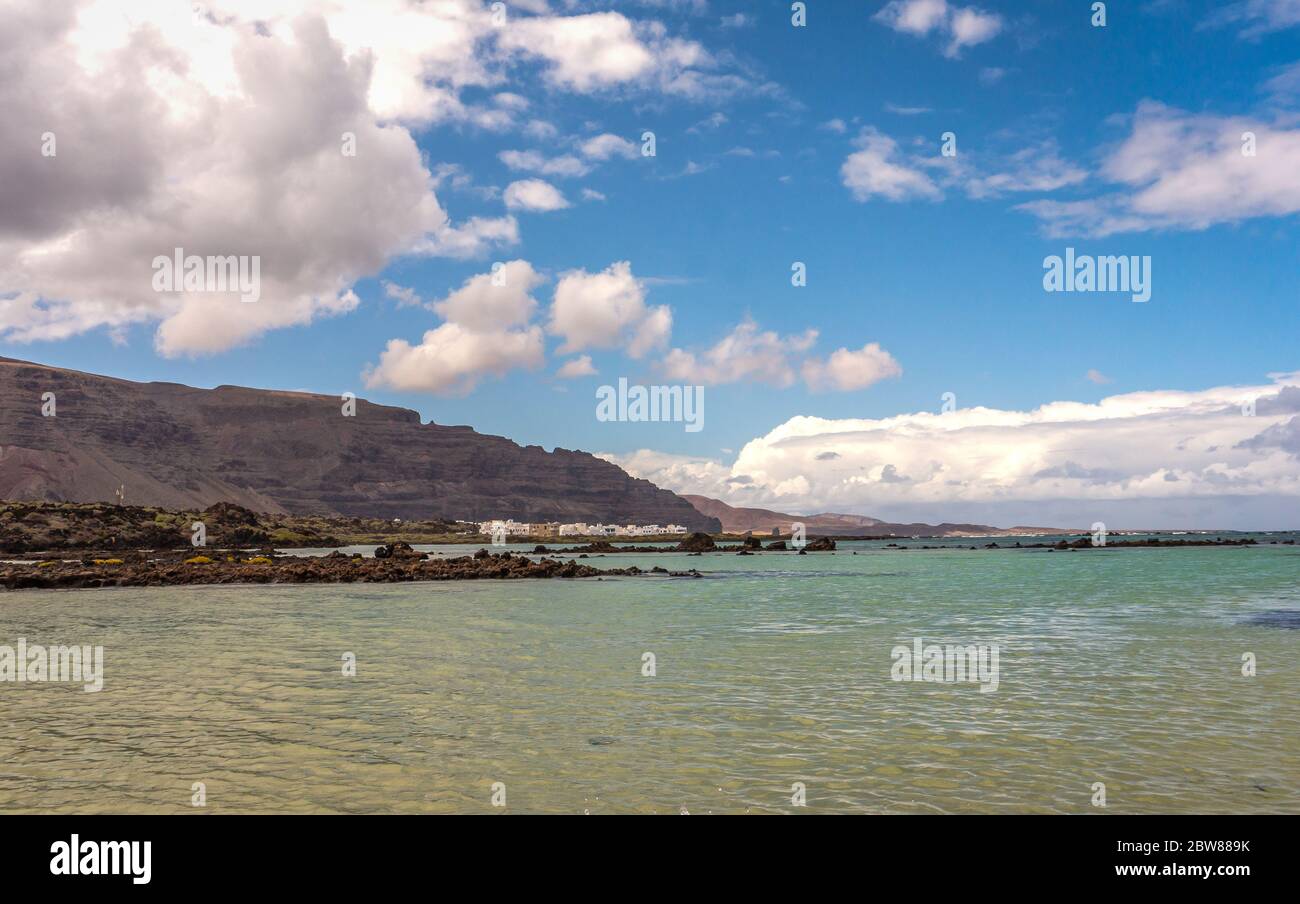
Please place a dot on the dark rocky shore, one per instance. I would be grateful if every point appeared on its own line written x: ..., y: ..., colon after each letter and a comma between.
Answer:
x: 391, y: 564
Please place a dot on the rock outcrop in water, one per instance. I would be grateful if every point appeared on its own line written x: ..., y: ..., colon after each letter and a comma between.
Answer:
x: 178, y: 447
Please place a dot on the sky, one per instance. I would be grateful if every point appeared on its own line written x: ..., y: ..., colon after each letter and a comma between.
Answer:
x: 913, y: 164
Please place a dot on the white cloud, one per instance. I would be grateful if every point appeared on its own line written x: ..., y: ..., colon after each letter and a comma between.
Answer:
x: 876, y: 169
x: 916, y: 17
x: 607, y: 310
x: 1036, y: 168
x: 1144, y: 446
x: 452, y: 359
x: 745, y: 354
x: 964, y: 26
x: 534, y: 194
x: 540, y: 129
x: 486, y: 332
x: 227, y: 128
x: 906, y: 111
x: 970, y: 27
x: 404, y: 295
x: 501, y: 298
x: 607, y: 145
x: 565, y: 165
x: 1285, y: 82
x: 751, y: 354
x: 1096, y: 376
x: 1182, y: 170
x: 714, y: 120
x: 227, y: 141
x: 590, y: 194
x: 847, y: 370
x: 603, y: 50
x: 881, y: 169
x: 684, y: 473
x: 580, y: 366
x: 1258, y: 17
x: 510, y: 101
x: 470, y: 239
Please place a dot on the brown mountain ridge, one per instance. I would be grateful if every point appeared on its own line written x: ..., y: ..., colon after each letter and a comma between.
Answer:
x: 764, y: 521
x: 179, y: 447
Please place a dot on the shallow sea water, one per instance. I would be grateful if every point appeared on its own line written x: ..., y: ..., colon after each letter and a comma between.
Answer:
x: 1119, y: 666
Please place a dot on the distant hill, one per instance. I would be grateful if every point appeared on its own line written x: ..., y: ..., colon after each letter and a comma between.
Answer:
x: 182, y: 448
x: 763, y: 521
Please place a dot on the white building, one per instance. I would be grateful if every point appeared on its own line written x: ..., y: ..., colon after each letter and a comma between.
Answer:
x: 583, y: 529
x: 511, y: 527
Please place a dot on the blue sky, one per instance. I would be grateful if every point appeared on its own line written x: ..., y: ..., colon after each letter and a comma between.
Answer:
x: 936, y: 260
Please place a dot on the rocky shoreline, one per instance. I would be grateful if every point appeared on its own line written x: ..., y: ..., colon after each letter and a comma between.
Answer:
x: 391, y: 564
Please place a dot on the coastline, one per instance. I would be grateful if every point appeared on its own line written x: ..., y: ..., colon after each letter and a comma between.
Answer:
x: 402, y: 564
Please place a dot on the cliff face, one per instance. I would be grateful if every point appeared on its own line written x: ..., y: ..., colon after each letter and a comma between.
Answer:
x: 182, y: 448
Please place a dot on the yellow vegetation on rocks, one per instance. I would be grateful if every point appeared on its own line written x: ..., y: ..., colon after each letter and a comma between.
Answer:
x: 198, y: 560
x: 108, y: 561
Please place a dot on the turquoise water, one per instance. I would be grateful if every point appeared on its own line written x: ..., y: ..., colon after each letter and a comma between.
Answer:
x: 1115, y: 666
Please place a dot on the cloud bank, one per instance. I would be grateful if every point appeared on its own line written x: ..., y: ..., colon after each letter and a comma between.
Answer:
x: 1076, y: 460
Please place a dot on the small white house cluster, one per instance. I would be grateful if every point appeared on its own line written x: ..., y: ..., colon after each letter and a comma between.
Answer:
x: 513, y: 528
x: 582, y: 529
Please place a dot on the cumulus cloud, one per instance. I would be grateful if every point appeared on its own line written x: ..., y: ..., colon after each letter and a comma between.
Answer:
x: 452, y: 359
x: 1157, y: 446
x: 876, y: 169
x: 916, y: 17
x: 580, y: 366
x: 487, y: 331
x: 962, y: 26
x: 751, y: 354
x: 969, y: 27
x: 603, y: 50
x: 847, y: 370
x: 228, y: 125
x: 227, y: 141
x: 607, y: 310
x: 502, y: 298
x: 747, y: 353
x: 607, y: 145
x: 534, y: 194
x: 1180, y: 170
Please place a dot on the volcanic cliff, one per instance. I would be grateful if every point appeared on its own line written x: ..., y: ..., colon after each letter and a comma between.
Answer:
x: 179, y: 447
